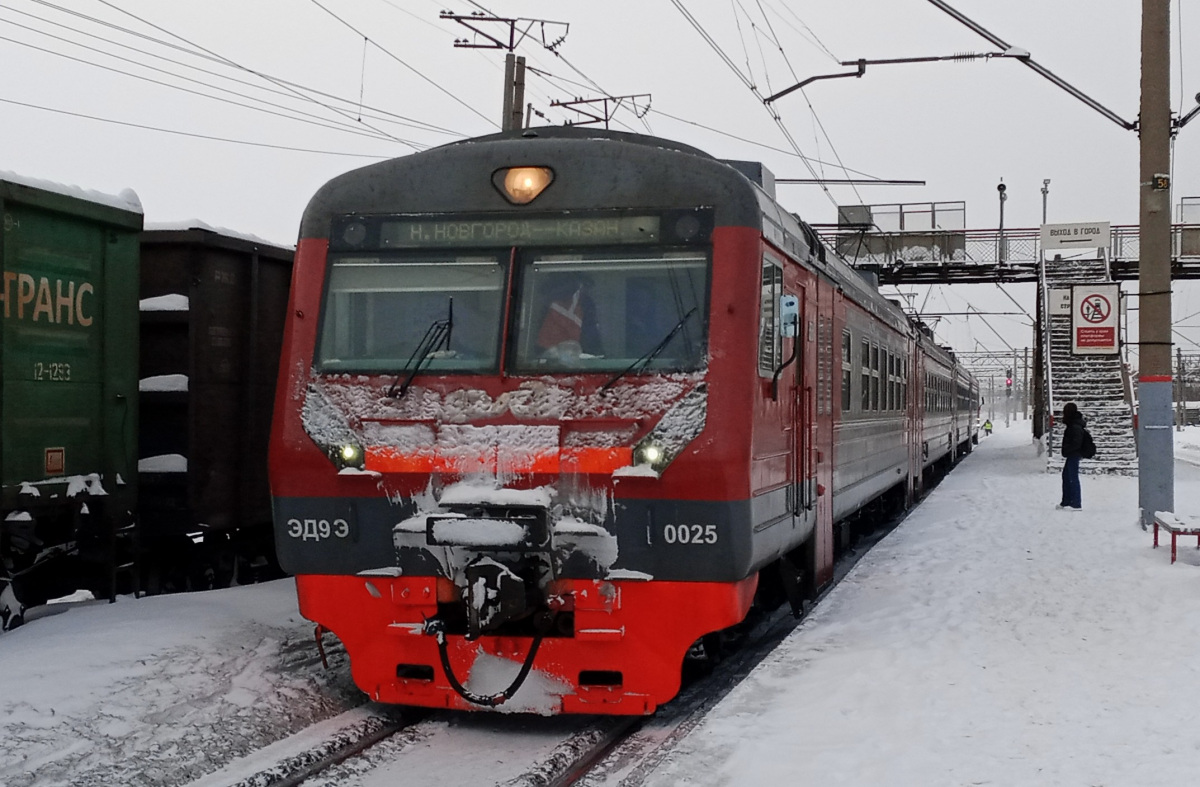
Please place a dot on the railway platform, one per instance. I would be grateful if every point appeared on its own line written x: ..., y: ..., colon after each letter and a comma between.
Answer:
x: 988, y: 639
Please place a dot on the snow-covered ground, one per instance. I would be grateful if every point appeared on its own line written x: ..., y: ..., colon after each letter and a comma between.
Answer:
x: 159, y: 690
x: 1187, y: 447
x: 990, y: 639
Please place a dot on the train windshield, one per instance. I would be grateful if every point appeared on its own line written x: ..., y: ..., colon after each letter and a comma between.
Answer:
x: 610, y: 312
x: 381, y: 311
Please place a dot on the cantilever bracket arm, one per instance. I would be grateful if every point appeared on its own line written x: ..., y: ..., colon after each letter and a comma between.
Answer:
x: 862, y: 69
x: 862, y: 64
x: 1183, y: 121
x: 1025, y: 58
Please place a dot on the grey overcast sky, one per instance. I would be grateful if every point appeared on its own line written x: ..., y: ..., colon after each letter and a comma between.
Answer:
x: 234, y: 111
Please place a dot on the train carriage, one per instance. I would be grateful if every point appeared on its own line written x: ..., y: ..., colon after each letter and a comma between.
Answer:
x: 556, y: 406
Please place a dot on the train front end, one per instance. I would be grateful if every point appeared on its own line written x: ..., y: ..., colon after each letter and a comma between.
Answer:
x: 509, y: 451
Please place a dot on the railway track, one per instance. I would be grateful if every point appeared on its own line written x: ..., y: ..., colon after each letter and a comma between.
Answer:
x: 367, y: 744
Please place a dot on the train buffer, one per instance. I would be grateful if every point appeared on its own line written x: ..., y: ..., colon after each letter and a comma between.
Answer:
x: 1177, y: 525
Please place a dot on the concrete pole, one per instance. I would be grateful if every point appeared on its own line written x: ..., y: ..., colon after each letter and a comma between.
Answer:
x: 510, y: 65
x: 518, y: 94
x: 1000, y: 189
x: 1156, y: 465
x: 1025, y: 386
x: 1180, y: 391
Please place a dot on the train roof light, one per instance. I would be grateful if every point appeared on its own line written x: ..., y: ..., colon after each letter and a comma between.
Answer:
x: 522, y: 185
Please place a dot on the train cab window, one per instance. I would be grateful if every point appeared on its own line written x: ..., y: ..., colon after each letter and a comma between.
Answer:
x: 770, y: 343
x: 847, y: 370
x: 610, y: 311
x: 392, y: 312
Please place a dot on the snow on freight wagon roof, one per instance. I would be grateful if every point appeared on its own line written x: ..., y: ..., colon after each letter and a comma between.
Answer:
x: 126, y: 200
x: 197, y: 224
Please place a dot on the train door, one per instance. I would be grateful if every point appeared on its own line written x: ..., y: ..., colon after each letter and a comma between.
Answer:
x: 918, y: 393
x: 819, y: 411
x: 802, y: 417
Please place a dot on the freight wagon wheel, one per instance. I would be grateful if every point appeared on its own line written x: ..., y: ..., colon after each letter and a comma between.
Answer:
x: 181, y: 565
x: 167, y: 571
x: 214, y: 564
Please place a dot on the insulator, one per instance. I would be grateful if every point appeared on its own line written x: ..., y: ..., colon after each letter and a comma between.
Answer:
x: 962, y: 57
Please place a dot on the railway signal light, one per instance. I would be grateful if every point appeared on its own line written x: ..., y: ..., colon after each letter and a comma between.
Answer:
x: 1008, y: 378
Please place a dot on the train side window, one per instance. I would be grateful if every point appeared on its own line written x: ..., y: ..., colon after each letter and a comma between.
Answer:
x: 874, y: 377
x: 866, y: 375
x: 847, y: 370
x: 770, y: 344
x: 825, y: 365
x: 891, y: 381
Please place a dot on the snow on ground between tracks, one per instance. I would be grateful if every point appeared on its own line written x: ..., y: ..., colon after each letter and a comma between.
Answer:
x: 158, y: 691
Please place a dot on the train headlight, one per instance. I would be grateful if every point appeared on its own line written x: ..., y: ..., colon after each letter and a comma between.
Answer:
x: 679, y: 426
x: 327, y: 427
x: 522, y: 185
x: 652, y: 453
x: 350, y: 455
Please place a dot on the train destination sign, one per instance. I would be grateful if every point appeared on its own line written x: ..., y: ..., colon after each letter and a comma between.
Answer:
x: 544, y: 231
x: 1094, y: 312
x: 1092, y: 235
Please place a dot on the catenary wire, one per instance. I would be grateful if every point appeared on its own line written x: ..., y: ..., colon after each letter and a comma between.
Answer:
x: 570, y: 65
x: 399, y: 60
x: 812, y: 110
x: 189, y: 133
x: 299, y: 116
x: 381, y: 114
x: 239, y: 66
x: 754, y: 90
x: 810, y: 36
x: 194, y: 51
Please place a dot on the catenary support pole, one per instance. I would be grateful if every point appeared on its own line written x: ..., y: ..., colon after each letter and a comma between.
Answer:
x: 1156, y: 465
x: 510, y: 65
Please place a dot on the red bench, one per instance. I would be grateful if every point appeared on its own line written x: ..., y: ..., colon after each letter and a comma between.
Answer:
x: 1177, y: 525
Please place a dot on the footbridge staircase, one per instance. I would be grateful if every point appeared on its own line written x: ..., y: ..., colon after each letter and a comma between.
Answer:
x: 1098, y: 384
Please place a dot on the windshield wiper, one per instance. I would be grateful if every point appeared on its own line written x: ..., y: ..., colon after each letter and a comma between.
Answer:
x: 643, y: 361
x: 437, y: 334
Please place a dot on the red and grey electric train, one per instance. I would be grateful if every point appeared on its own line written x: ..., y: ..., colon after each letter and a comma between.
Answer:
x: 554, y: 406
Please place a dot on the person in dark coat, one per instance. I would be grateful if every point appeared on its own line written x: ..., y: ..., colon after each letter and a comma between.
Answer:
x: 1072, y: 443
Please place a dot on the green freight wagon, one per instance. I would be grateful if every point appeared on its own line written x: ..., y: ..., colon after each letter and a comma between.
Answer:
x: 68, y: 391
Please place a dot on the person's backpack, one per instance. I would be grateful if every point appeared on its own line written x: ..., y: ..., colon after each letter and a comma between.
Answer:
x: 1087, y: 447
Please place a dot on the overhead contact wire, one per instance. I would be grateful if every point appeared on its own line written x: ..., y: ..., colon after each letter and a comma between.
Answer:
x: 399, y: 60
x: 258, y: 74
x: 383, y: 115
x: 304, y: 117
x: 189, y: 133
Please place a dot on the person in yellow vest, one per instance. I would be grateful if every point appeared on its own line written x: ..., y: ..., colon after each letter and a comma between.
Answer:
x: 987, y: 426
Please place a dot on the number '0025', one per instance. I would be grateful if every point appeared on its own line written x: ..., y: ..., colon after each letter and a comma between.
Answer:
x: 690, y: 534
